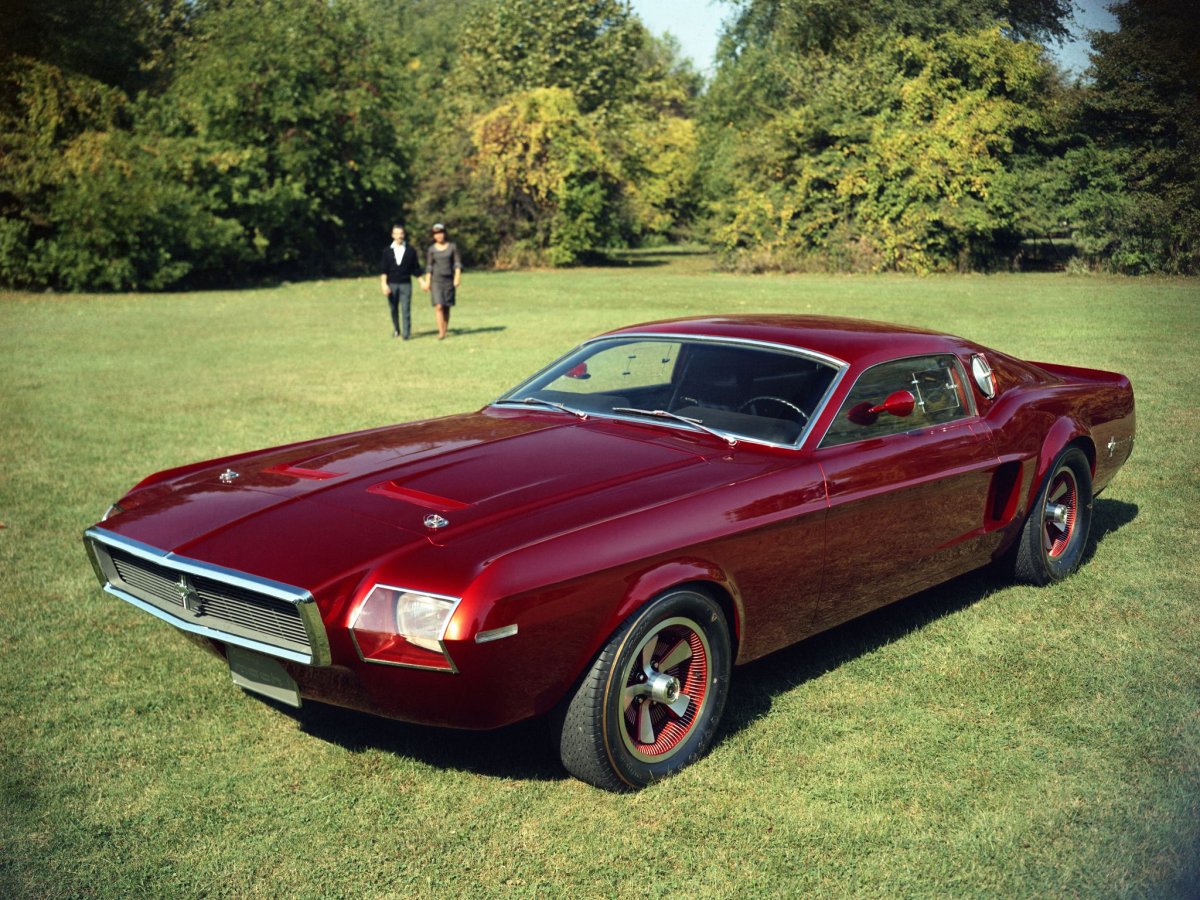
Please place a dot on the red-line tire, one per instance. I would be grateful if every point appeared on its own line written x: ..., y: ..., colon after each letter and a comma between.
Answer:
x: 652, y: 700
x: 1056, y: 531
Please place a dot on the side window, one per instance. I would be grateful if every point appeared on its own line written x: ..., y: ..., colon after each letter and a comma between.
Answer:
x: 935, y: 384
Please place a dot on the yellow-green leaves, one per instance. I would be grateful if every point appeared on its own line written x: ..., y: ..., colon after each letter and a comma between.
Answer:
x: 890, y: 155
x: 543, y: 162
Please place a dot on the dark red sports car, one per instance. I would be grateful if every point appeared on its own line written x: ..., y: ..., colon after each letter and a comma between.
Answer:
x: 605, y: 541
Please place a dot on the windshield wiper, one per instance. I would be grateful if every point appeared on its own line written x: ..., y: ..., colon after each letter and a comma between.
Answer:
x: 698, y: 424
x: 562, y: 407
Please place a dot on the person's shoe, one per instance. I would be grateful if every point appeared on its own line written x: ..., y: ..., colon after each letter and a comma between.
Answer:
x: 395, y: 334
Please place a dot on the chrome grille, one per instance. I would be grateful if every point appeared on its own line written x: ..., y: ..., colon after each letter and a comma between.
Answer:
x: 242, y: 607
x: 146, y: 577
x: 229, y: 606
x: 219, y: 602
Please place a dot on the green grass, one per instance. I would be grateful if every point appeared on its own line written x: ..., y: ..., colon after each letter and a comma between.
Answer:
x: 981, y: 739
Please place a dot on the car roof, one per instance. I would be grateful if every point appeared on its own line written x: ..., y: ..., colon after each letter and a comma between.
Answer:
x: 850, y: 340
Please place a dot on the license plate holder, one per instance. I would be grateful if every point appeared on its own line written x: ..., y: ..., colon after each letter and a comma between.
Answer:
x: 262, y: 675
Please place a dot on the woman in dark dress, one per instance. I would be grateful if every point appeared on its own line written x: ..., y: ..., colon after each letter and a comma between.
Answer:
x: 443, y: 273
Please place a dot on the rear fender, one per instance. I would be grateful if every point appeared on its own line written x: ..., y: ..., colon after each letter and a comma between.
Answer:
x: 1062, y: 434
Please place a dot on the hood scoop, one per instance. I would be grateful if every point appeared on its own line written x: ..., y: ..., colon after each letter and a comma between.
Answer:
x: 397, y: 491
x: 301, y: 472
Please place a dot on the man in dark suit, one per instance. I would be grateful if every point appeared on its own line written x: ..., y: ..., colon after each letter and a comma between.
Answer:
x: 396, y: 270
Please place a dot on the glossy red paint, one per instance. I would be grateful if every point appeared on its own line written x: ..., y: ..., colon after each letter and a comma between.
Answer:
x: 565, y: 526
x: 940, y: 479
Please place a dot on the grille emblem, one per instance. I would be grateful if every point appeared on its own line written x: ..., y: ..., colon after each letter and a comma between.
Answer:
x: 228, y: 476
x: 187, y: 594
x: 434, y: 521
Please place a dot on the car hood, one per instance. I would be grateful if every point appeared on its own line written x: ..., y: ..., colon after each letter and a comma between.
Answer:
x: 308, y: 513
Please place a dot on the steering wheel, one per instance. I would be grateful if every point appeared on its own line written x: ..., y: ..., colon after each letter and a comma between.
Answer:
x: 748, y: 406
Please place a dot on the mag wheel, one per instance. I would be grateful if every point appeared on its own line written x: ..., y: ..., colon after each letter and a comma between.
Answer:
x: 651, y: 702
x: 1056, y: 531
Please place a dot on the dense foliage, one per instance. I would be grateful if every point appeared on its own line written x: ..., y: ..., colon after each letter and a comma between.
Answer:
x: 564, y: 130
x: 893, y: 154
x: 160, y: 143
x: 237, y: 139
x: 1141, y: 122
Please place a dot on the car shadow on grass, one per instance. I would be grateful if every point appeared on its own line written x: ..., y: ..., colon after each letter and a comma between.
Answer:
x: 527, y: 750
x: 523, y: 751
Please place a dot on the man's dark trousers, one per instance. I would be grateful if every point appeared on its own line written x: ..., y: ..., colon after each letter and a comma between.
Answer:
x: 400, y: 300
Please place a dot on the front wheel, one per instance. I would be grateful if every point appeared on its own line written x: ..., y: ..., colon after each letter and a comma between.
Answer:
x: 1056, y: 532
x: 652, y: 700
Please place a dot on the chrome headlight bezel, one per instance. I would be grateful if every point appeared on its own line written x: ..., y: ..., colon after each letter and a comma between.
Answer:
x: 395, y: 626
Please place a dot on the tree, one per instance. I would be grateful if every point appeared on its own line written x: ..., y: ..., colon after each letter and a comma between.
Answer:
x: 119, y: 43
x: 1141, y: 120
x: 293, y: 93
x: 820, y: 25
x: 82, y: 204
x: 930, y: 190
x: 213, y: 140
x: 584, y: 46
x: 603, y: 98
x: 653, y: 142
x: 87, y: 205
x: 548, y: 173
x: 874, y: 138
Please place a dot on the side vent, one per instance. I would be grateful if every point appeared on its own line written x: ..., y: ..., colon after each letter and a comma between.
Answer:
x: 1004, y: 494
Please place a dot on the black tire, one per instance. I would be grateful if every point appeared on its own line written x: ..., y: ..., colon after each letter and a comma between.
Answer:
x: 634, y: 720
x: 1056, y: 531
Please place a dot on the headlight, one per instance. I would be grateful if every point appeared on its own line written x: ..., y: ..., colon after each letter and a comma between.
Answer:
x: 422, y: 619
x: 403, y: 628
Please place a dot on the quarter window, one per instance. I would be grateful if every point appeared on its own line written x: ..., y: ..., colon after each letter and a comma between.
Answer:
x: 936, y: 385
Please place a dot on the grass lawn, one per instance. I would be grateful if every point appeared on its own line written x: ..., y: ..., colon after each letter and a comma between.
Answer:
x: 980, y: 739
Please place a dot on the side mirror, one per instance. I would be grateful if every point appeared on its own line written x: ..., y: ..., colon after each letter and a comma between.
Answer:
x: 898, y: 403
x: 580, y: 372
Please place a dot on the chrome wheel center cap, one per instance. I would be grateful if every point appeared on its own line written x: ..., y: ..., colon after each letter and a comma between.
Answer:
x: 663, y: 688
x: 1057, y: 513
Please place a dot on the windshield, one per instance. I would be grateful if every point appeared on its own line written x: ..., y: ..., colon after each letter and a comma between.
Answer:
x: 742, y: 390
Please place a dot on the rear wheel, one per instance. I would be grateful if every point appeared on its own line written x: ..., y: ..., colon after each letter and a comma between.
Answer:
x: 652, y: 700
x: 1056, y: 531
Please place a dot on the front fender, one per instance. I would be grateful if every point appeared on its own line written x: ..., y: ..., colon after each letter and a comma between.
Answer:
x: 664, y: 576
x: 564, y: 624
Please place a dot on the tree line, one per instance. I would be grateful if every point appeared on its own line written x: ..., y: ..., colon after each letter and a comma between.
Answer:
x: 155, y: 144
